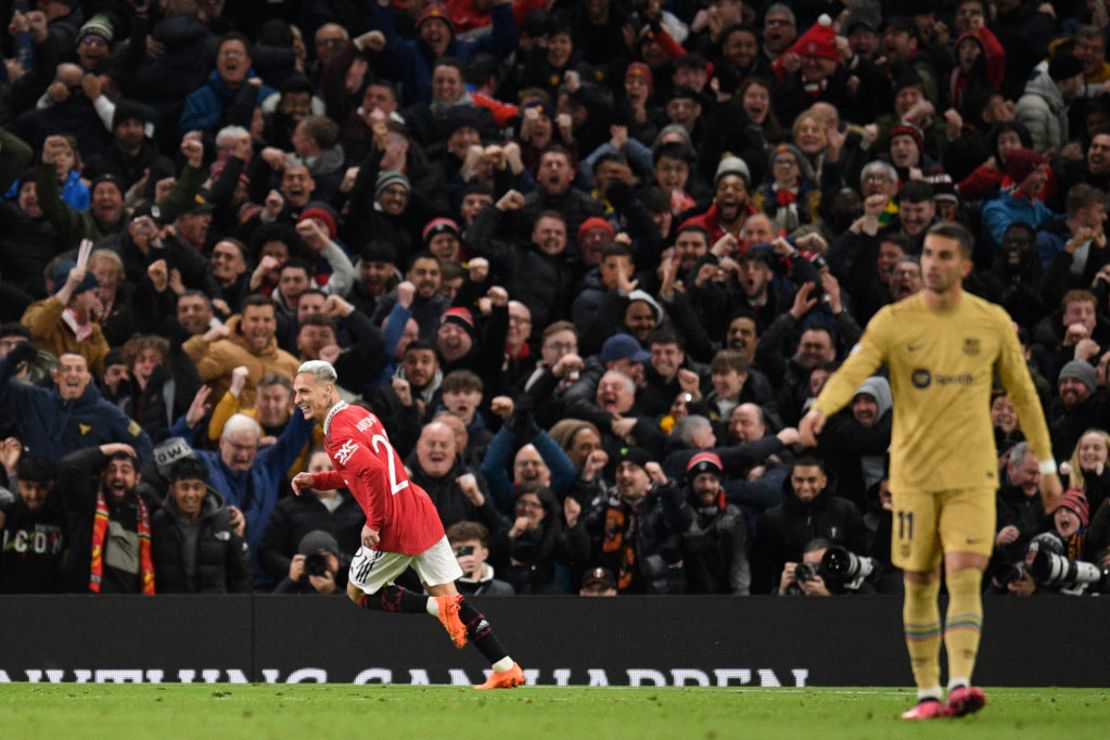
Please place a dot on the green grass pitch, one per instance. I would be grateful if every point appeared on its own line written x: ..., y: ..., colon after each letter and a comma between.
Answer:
x: 309, y: 711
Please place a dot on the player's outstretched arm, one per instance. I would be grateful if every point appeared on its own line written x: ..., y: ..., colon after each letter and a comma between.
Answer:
x: 810, y: 427
x: 1052, y: 490
x: 301, y: 481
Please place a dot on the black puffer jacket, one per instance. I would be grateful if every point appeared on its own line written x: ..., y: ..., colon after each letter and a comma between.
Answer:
x: 783, y: 531
x: 542, y: 282
x: 296, y: 516
x: 164, y: 81
x: 715, y: 553
x: 223, y: 563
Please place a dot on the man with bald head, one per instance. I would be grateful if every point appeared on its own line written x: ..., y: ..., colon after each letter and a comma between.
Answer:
x: 459, y: 494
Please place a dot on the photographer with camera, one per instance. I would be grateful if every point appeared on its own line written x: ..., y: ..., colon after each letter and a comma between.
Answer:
x: 809, y: 509
x: 470, y: 543
x: 828, y: 570
x: 315, y: 569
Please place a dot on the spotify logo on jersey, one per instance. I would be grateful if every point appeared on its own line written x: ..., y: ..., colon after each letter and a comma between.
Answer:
x: 921, y: 378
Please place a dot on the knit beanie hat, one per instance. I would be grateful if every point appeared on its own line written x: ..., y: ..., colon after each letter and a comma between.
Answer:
x: 127, y: 110
x: 459, y: 315
x: 804, y: 166
x: 321, y: 210
x: 439, y: 226
x: 704, y: 462
x: 905, y: 128
x: 99, y: 25
x: 635, y: 455
x: 1074, y: 501
x: 1064, y: 67
x: 1020, y: 163
x: 564, y: 430
x: 435, y: 10
x: 1081, y: 371
x: 641, y: 70
x: 595, y: 222
x: 819, y: 41
x: 391, y: 177
x: 733, y: 165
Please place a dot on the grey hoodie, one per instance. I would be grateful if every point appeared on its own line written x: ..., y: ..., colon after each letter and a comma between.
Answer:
x: 874, y: 466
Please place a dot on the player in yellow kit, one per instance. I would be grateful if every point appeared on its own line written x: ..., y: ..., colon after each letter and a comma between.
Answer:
x: 942, y: 348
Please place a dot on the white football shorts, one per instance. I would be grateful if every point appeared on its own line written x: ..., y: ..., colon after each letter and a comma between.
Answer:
x: 371, y: 570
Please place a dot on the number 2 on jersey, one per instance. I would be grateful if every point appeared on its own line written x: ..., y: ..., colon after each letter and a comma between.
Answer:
x: 395, y: 486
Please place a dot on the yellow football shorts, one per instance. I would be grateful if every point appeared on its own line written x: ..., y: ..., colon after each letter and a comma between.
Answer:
x: 927, y: 525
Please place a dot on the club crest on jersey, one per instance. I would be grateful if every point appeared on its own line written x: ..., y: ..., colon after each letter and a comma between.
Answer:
x: 971, y: 346
x: 344, y: 453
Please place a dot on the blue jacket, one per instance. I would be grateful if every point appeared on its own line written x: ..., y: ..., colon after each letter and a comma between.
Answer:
x: 204, y: 108
x: 411, y: 61
x: 999, y: 213
x: 255, y: 492
x: 51, y: 428
x: 499, y: 459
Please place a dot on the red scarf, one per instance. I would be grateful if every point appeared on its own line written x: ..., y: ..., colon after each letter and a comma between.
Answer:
x: 100, y: 532
x: 785, y: 198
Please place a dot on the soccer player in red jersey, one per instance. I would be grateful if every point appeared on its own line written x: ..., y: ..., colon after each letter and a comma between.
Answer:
x: 402, y: 525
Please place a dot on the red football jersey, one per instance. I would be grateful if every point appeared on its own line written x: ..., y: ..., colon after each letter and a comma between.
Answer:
x: 367, y: 465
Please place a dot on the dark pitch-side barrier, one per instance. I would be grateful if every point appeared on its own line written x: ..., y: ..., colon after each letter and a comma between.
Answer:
x: 637, y: 641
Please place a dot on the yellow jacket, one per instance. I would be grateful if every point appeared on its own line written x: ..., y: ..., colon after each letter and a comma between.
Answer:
x: 44, y: 319
x: 216, y: 360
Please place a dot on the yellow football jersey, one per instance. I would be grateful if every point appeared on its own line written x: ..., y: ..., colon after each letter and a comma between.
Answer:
x: 942, y: 365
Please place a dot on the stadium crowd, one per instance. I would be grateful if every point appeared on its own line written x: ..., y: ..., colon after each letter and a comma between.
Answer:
x: 588, y: 262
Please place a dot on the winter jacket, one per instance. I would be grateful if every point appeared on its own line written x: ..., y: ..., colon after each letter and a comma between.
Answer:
x: 49, y: 332
x: 1043, y: 111
x: 296, y: 516
x: 78, y: 482
x: 168, y: 394
x: 210, y: 107
x: 999, y: 213
x: 451, y: 503
x: 26, y: 246
x: 411, y: 61
x: 642, y: 541
x: 220, y: 561
x: 498, y: 458
x: 255, y: 492
x: 113, y: 161
x: 50, y: 428
x: 783, y: 531
x: 714, y: 550
x: 216, y: 360
x: 72, y: 225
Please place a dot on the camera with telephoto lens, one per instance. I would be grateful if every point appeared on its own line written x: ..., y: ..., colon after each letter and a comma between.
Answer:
x: 841, y: 564
x: 805, y: 572
x: 1006, y: 573
x: 1053, y: 569
x: 316, y: 564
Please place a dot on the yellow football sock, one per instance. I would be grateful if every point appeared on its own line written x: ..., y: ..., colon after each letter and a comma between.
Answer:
x: 921, y: 620
x: 963, y: 623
